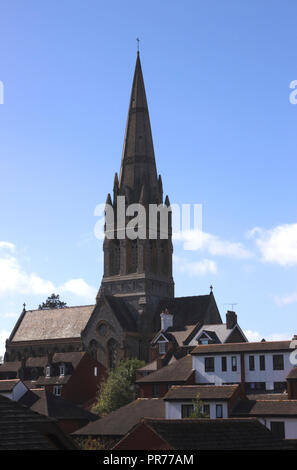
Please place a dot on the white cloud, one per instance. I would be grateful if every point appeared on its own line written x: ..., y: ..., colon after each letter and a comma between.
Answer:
x: 7, y: 246
x: 198, y: 240
x: 79, y: 287
x: 195, y: 268
x: 15, y: 280
x: 286, y: 299
x: 254, y: 336
x: 278, y: 245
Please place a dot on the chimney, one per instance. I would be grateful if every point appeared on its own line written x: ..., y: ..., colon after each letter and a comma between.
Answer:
x: 166, y: 320
x: 231, y: 319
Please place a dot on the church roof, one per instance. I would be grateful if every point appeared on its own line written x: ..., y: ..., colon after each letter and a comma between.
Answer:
x: 191, y: 310
x: 59, y: 323
x: 122, y: 313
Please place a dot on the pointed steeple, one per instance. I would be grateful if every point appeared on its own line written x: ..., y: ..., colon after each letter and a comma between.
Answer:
x: 138, y: 158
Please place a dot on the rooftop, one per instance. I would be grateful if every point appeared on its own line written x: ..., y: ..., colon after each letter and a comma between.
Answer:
x: 119, y: 422
x: 242, y: 347
x: 179, y: 371
x: 206, y: 392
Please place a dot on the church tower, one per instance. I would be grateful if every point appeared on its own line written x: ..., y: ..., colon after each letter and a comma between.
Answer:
x: 138, y: 270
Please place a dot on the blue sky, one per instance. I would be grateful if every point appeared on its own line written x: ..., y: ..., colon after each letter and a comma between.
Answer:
x: 217, y: 76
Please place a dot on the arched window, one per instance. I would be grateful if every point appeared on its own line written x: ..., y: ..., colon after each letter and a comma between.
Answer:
x: 93, y: 348
x: 115, y: 257
x: 112, y: 353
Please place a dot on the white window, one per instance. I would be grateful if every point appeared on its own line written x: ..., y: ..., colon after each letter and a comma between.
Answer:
x: 48, y: 371
x: 95, y: 371
x: 162, y: 347
x: 57, y: 390
x: 62, y: 370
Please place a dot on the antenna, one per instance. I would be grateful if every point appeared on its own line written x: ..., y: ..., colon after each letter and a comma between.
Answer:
x: 232, y: 305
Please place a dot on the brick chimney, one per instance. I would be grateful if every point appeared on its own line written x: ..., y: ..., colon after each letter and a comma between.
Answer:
x: 231, y: 319
x: 166, y: 320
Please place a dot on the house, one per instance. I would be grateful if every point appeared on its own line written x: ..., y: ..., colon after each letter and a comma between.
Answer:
x: 69, y: 416
x: 260, y: 366
x: 23, y: 429
x: 201, y: 434
x: 278, y: 415
x: 174, y: 336
x: 113, y: 427
x: 74, y: 376
x: 217, y: 401
x: 157, y: 383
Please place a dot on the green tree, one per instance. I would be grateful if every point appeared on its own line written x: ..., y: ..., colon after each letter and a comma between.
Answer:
x: 52, y: 301
x: 118, y: 388
x: 198, y: 408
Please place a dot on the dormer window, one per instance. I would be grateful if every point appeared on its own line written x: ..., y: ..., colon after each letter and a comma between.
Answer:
x: 48, y: 371
x: 204, y: 341
x: 62, y: 370
x: 162, y: 347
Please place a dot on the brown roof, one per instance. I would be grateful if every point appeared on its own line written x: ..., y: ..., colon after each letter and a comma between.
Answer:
x: 265, y: 408
x: 58, y: 323
x: 293, y: 373
x: 207, y: 434
x: 8, y: 385
x: 242, y: 347
x: 178, y: 371
x: 45, y: 403
x: 119, y: 422
x: 206, y: 392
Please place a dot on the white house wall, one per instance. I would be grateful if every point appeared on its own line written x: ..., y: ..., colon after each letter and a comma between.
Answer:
x: 218, y: 377
x: 173, y: 409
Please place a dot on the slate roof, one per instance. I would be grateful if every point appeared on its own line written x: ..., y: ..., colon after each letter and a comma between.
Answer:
x: 219, y: 333
x: 265, y: 408
x: 58, y: 323
x: 213, y: 434
x: 45, y: 403
x: 191, y: 310
x: 119, y: 422
x: 206, y: 392
x: 8, y: 385
x: 23, y: 429
x: 242, y: 347
x: 122, y: 313
x: 178, y: 371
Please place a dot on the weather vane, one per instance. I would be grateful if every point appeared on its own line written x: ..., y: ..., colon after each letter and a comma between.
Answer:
x: 138, y: 40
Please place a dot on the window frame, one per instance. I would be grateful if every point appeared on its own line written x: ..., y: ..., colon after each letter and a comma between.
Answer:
x: 262, y: 362
x: 219, y: 406
x: 207, y: 367
x: 275, y: 359
x: 186, y: 406
x: 234, y: 363
x: 251, y: 362
x: 224, y: 363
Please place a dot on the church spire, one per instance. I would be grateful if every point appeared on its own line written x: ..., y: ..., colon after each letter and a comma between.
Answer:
x: 138, y: 158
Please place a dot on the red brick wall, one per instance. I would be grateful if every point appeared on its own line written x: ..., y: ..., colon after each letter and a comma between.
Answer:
x: 83, y: 384
x: 145, y: 390
x: 292, y: 389
x: 142, y: 438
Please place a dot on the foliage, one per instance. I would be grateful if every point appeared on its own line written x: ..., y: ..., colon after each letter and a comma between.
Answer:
x: 198, y: 408
x: 51, y: 302
x: 92, y: 444
x: 118, y: 388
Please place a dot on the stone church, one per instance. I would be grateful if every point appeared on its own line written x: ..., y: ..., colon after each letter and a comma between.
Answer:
x: 137, y: 284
